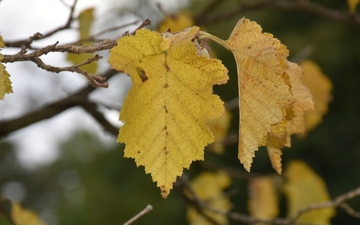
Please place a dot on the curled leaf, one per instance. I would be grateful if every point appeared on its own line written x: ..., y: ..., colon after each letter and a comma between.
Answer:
x: 302, y: 102
x: 264, y: 88
x: 265, y: 94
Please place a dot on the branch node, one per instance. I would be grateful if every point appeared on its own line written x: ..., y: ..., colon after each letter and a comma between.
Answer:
x: 143, y: 24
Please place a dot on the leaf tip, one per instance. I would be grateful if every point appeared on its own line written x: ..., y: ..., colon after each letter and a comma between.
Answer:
x: 164, y: 191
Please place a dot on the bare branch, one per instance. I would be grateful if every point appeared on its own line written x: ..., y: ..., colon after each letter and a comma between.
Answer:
x: 210, y: 7
x: 349, y: 210
x: 67, y: 25
x: 109, y: 30
x: 91, y: 108
x: 201, y: 205
x: 95, y: 81
x: 235, y: 173
x: 302, y: 6
x: 181, y: 185
x: 147, y: 209
x: 35, y: 55
x: 77, y: 49
x: 53, y: 109
x: 145, y: 23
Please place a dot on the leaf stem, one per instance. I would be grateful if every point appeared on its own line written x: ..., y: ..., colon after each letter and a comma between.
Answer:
x: 203, y: 34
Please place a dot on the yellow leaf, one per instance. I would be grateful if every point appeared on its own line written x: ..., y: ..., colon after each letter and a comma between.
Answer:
x: 302, y: 188
x: 353, y: 4
x: 22, y: 216
x: 176, y: 22
x: 302, y: 102
x: 320, y: 88
x: 166, y: 110
x: 274, y: 145
x: 264, y: 88
x: 263, y: 203
x: 219, y: 127
x: 85, y: 21
x: 209, y: 187
x: 5, y: 83
x: 2, y: 44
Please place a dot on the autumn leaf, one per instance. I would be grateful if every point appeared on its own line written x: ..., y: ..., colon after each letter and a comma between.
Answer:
x: 85, y: 21
x: 2, y: 44
x: 209, y: 187
x: 5, y: 83
x: 302, y: 102
x: 263, y: 203
x: 302, y: 188
x: 264, y: 87
x: 219, y: 127
x: 166, y: 110
x: 320, y: 88
x: 22, y: 216
x: 175, y: 23
x: 353, y: 4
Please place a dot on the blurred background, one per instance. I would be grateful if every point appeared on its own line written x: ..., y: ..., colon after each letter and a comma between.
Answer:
x: 70, y: 171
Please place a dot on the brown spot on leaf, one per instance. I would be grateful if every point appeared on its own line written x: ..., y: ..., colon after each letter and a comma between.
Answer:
x: 167, y: 67
x: 142, y: 74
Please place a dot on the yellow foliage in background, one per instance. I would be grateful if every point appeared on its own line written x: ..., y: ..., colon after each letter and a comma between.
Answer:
x: 85, y: 19
x: 263, y: 202
x: 353, y: 4
x: 175, y: 23
x: 302, y: 188
x: 219, y: 127
x: 22, y: 216
x: 5, y: 83
x: 320, y: 87
x: 209, y: 187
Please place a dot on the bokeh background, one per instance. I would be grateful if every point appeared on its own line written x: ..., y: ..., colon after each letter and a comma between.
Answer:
x: 70, y: 171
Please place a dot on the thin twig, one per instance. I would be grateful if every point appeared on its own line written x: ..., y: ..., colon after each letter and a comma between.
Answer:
x: 201, y: 205
x: 301, y: 6
x: 92, y: 109
x: 111, y: 29
x: 77, y: 49
x: 95, y: 81
x: 207, y: 10
x: 183, y: 184
x: 235, y: 173
x: 67, y: 25
x: 145, y: 23
x: 147, y: 209
x: 35, y: 55
x: 349, y: 210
